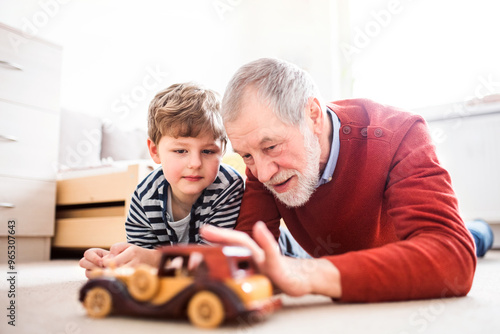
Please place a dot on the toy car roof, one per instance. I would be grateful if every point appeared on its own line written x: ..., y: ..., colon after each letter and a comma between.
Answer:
x: 215, y: 257
x: 186, y: 249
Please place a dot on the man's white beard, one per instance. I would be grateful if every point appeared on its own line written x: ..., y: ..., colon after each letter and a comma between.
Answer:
x: 306, y: 181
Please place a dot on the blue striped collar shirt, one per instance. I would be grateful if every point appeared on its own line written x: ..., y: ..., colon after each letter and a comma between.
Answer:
x: 334, y: 150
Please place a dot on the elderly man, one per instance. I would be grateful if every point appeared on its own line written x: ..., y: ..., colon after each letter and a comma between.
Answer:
x: 358, y: 185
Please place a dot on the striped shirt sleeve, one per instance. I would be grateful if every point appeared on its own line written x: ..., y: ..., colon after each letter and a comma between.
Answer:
x: 225, y: 208
x: 138, y: 226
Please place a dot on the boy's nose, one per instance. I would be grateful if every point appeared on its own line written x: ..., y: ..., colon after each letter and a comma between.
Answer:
x: 194, y: 161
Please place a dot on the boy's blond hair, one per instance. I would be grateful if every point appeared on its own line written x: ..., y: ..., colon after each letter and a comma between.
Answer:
x: 185, y: 110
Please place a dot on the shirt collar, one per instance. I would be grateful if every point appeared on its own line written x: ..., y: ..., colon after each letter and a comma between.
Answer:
x: 334, y: 150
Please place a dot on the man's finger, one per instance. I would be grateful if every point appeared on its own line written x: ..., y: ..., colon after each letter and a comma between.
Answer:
x: 265, y: 238
x: 229, y: 237
x: 224, y: 236
x: 269, y: 247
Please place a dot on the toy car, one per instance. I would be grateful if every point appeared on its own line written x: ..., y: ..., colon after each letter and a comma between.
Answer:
x: 208, y: 284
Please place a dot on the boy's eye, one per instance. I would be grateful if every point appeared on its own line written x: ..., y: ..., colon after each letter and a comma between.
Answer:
x: 207, y: 152
x: 180, y: 151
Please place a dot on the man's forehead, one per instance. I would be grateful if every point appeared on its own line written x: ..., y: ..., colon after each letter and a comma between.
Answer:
x: 247, y: 141
x: 254, y: 116
x: 251, y: 121
x: 251, y: 116
x: 251, y: 134
x: 255, y: 124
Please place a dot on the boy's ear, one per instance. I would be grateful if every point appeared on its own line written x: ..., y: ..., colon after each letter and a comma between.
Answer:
x: 153, y: 151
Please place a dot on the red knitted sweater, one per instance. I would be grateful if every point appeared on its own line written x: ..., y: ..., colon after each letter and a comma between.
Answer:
x: 388, y: 219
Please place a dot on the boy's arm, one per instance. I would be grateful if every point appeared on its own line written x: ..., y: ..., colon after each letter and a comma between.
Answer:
x: 138, y: 227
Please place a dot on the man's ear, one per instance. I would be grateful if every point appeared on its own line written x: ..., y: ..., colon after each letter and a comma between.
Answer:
x: 153, y: 151
x: 315, y: 115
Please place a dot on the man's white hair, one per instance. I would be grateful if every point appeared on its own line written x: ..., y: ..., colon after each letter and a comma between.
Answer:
x: 285, y: 87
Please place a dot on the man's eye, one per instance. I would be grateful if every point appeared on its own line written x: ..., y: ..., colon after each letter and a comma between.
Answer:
x: 270, y: 148
x: 246, y: 156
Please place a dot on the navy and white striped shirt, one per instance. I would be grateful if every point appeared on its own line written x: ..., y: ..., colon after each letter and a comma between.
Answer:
x: 147, y: 221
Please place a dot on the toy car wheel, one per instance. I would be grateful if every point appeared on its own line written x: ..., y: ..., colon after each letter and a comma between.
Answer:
x: 98, y: 302
x: 143, y: 284
x: 206, y: 310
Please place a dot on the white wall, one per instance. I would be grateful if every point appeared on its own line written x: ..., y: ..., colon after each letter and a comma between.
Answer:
x: 467, y: 144
x: 415, y: 54
x: 118, y: 54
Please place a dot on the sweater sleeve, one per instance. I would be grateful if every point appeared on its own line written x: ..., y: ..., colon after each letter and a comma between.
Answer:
x: 435, y: 255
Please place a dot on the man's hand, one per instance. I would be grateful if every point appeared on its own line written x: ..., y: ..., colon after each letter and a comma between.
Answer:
x: 120, y: 254
x: 295, y: 277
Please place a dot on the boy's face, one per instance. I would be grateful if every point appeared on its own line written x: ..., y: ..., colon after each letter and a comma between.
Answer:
x: 189, y: 164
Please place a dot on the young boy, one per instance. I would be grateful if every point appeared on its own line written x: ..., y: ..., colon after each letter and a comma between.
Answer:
x: 191, y: 188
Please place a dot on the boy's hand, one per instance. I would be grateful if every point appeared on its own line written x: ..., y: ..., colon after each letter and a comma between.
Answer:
x: 123, y: 253
x: 93, y: 259
x: 120, y: 254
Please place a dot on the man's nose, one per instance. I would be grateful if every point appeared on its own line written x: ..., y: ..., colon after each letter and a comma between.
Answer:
x: 264, y: 169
